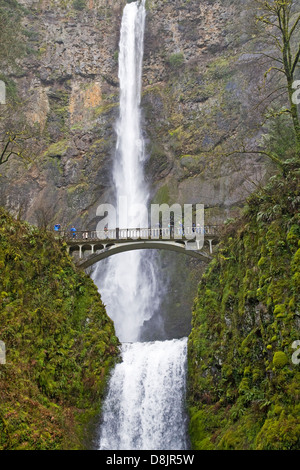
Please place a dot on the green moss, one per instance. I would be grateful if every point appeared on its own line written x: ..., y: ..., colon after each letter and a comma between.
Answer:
x: 79, y: 4
x: 103, y: 109
x: 59, y: 341
x: 176, y: 60
x: 293, y: 236
x: 279, y: 434
x: 220, y: 67
x: 280, y: 359
x: 162, y: 196
x: 12, y: 41
x: 78, y: 188
x: 57, y: 148
x: 244, y: 323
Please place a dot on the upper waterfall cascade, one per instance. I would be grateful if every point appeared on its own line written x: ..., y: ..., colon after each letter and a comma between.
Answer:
x: 127, y: 281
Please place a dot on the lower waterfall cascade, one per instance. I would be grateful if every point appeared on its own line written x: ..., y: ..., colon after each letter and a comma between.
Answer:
x: 144, y: 408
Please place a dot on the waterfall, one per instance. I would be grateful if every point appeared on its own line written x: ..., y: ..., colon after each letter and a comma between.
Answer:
x: 144, y: 407
x: 128, y: 282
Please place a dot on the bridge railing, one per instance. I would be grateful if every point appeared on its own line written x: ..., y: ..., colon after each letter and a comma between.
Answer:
x: 169, y: 233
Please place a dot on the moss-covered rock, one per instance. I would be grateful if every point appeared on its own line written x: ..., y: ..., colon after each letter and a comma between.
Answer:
x: 60, y: 344
x: 243, y: 385
x: 280, y: 360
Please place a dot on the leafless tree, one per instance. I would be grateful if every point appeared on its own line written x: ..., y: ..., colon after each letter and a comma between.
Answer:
x: 282, y: 24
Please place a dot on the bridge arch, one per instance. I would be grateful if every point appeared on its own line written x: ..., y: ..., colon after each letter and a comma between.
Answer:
x: 140, y: 245
x: 91, y: 247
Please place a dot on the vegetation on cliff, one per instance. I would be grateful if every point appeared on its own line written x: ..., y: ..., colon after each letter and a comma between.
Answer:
x: 283, y: 16
x: 60, y: 344
x: 244, y: 388
x: 12, y: 45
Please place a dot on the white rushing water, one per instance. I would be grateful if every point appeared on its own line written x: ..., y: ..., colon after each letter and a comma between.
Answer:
x: 144, y: 407
x: 128, y: 281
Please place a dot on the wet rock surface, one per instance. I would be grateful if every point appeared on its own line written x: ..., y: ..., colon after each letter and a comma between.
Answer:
x: 198, y: 91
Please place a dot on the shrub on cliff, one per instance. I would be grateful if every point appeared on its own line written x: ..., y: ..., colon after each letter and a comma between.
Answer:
x: 176, y: 60
x: 79, y: 4
x: 60, y: 344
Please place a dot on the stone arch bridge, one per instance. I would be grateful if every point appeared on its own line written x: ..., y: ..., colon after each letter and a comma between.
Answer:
x: 89, y: 247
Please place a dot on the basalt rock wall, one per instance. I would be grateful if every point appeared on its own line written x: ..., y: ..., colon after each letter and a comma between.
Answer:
x: 200, y: 87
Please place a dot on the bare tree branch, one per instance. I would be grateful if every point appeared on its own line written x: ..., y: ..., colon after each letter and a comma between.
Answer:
x: 13, y: 145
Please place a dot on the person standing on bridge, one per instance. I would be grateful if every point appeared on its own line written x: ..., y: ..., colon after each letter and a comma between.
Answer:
x: 73, y: 232
x: 57, y: 228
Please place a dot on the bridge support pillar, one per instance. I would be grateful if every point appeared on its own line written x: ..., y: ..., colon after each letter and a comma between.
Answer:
x: 80, y: 251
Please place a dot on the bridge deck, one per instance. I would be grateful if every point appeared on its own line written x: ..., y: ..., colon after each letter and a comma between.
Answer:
x: 132, y: 234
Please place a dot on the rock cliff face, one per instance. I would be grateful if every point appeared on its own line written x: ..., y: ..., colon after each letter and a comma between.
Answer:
x: 198, y: 92
x: 68, y: 87
x: 200, y: 87
x: 198, y: 98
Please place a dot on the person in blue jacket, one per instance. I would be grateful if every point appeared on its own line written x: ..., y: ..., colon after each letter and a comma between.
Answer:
x: 73, y: 231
